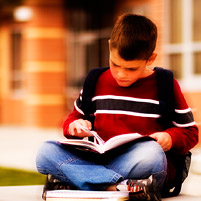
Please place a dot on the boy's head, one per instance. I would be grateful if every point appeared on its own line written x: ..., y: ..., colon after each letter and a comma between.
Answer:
x: 134, y: 37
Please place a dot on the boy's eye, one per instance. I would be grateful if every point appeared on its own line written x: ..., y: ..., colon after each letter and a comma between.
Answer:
x: 132, y: 69
x: 115, y: 65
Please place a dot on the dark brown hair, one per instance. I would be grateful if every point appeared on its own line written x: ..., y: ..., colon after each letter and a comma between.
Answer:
x: 134, y: 36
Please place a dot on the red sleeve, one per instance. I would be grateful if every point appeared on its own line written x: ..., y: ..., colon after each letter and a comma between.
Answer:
x: 77, y: 113
x: 185, y: 132
x: 183, y: 139
x: 74, y: 115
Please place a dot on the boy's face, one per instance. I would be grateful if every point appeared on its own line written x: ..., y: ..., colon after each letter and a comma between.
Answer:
x: 127, y: 72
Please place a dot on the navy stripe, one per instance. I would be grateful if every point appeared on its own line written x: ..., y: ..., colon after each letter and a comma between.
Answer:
x: 184, y: 118
x: 126, y: 105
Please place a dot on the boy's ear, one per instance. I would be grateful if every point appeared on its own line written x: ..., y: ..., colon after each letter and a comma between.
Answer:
x: 109, y: 43
x: 151, y: 59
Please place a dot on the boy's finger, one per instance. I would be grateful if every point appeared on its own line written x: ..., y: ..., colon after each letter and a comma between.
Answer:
x: 77, y: 128
x: 71, y: 132
x: 154, y: 137
x: 89, y: 125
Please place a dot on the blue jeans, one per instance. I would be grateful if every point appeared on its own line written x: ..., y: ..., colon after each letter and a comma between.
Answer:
x: 90, y: 171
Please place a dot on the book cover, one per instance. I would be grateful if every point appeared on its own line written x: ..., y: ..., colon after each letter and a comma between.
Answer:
x: 78, y: 195
x: 99, y: 145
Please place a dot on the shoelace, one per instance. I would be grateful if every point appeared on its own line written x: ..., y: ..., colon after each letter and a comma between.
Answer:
x: 138, y: 185
x: 133, y: 187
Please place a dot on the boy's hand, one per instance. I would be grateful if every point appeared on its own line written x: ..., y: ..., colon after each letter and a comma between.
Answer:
x: 75, y: 129
x: 164, y: 139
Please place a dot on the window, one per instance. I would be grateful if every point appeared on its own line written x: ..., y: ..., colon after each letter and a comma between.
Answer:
x: 197, y: 62
x: 196, y: 20
x: 176, y: 61
x: 87, y: 43
x: 175, y: 21
x: 87, y: 40
x: 183, y: 46
x: 197, y: 36
x: 16, y: 62
x: 87, y: 50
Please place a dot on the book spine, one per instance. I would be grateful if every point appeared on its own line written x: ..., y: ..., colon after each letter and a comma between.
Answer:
x: 87, y: 199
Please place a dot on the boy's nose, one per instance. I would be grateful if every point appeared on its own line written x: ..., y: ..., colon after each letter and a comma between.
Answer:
x: 121, y: 74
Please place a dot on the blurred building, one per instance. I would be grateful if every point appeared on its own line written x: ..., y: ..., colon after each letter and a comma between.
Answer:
x: 48, y: 46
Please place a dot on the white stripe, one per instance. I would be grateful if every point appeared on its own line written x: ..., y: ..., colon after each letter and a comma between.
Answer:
x: 184, y: 125
x: 183, y: 111
x: 81, y: 94
x: 126, y: 113
x: 78, y: 109
x: 125, y: 98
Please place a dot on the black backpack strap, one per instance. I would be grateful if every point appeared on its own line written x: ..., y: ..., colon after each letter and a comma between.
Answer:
x: 165, y: 95
x: 89, y: 90
x: 182, y: 164
x: 166, y: 107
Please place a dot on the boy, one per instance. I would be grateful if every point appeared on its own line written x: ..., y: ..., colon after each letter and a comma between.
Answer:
x: 126, y: 101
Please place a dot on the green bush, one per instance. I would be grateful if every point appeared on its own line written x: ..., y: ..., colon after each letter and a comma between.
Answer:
x: 15, y: 177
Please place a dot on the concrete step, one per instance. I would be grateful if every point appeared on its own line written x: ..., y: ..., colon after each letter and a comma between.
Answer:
x: 21, y: 193
x: 33, y: 193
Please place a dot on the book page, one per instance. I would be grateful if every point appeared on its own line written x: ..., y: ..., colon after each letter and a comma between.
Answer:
x: 78, y: 194
x: 120, y: 140
x: 98, y: 138
x: 100, y: 145
x: 85, y: 144
x: 114, y: 141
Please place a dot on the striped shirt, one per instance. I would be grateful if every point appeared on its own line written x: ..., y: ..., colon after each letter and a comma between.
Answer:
x: 120, y: 110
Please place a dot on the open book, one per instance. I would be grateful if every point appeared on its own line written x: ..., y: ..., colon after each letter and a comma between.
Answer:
x: 78, y: 195
x: 99, y: 145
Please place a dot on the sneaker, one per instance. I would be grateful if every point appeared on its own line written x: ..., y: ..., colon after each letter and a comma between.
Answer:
x: 143, y: 189
x: 52, y: 183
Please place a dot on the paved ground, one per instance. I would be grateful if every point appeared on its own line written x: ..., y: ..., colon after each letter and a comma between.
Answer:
x: 19, y: 147
x: 33, y: 193
x: 21, y: 193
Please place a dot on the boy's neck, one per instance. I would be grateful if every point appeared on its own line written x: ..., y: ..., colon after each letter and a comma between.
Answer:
x: 149, y: 71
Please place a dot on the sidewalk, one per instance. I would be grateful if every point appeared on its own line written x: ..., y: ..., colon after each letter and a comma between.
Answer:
x: 19, y: 146
x: 33, y: 193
